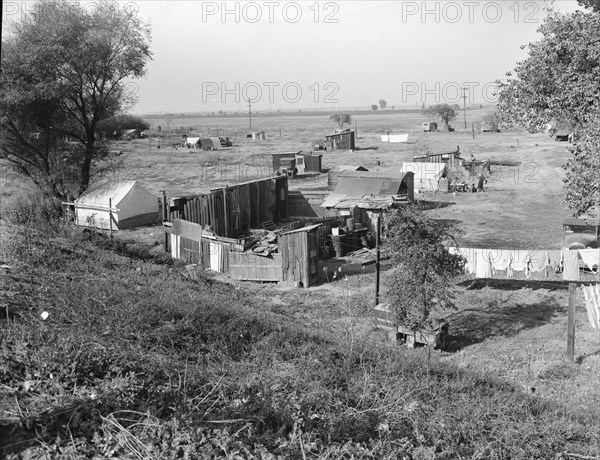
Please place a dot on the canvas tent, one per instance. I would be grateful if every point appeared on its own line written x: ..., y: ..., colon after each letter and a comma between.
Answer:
x: 426, y: 175
x: 132, y: 206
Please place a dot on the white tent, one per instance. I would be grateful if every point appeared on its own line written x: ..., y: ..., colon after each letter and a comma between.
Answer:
x: 132, y: 206
x: 427, y: 175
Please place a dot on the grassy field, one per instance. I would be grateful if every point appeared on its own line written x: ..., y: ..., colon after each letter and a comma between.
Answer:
x: 141, y: 359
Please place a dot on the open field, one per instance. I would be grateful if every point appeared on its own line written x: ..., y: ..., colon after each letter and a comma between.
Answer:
x: 298, y: 371
x: 522, y: 205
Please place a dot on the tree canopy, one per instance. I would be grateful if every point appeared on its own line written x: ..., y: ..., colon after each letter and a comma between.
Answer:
x: 423, y: 267
x: 382, y: 104
x: 560, y: 80
x: 64, y: 70
x: 444, y: 111
x: 341, y: 119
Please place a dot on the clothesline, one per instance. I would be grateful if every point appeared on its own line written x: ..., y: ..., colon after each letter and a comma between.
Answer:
x: 484, y: 263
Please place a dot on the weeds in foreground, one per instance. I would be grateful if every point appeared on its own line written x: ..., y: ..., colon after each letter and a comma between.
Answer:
x: 137, y: 361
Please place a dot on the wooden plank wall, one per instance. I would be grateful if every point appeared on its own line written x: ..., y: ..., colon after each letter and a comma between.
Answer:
x: 230, y: 211
x: 250, y: 267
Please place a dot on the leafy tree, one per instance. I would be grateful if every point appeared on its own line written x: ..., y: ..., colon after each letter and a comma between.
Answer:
x: 374, y: 107
x: 560, y: 80
x: 560, y: 77
x: 582, y: 179
x: 64, y: 70
x: 382, y: 104
x: 594, y: 5
x: 120, y: 122
x: 341, y: 119
x: 444, y: 111
x: 423, y: 267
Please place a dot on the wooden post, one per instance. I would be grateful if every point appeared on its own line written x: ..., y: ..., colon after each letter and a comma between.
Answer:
x: 571, y: 321
x: 473, y: 130
x: 110, y: 217
x: 377, y: 259
x: 225, y: 212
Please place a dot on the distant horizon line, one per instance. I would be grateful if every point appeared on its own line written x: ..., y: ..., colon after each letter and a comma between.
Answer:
x: 271, y: 111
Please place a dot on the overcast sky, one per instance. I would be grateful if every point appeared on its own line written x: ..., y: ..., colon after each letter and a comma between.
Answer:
x: 211, y: 56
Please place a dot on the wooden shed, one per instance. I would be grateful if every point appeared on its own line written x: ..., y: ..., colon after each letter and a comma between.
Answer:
x: 313, y: 162
x: 429, y: 126
x: 332, y: 176
x: 277, y: 157
x: 345, y: 140
x: 299, y: 250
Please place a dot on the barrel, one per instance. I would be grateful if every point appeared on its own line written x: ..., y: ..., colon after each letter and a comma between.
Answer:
x: 338, y: 245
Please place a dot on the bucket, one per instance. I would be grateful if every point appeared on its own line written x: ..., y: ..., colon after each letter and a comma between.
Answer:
x: 335, y: 231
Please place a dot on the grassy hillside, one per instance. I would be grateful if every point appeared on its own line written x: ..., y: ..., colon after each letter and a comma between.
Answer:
x: 141, y: 358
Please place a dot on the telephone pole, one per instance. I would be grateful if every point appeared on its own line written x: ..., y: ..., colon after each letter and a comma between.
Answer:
x: 250, y: 112
x: 465, y: 105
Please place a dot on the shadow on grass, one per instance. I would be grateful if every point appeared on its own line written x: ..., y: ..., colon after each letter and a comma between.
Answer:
x: 515, y: 284
x: 497, y: 319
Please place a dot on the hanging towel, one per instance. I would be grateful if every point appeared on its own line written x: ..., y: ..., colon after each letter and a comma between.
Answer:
x: 540, y: 259
x: 571, y: 265
x: 469, y: 255
x: 501, y: 259
x: 520, y: 260
x: 591, y: 257
x: 484, y: 264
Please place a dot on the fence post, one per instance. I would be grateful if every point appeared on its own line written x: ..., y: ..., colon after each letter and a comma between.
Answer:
x: 110, y: 217
x: 571, y: 321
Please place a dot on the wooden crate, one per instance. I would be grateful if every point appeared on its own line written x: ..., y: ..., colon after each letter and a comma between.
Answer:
x: 435, y: 338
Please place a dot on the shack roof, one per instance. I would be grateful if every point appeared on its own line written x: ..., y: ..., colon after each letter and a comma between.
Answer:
x: 340, y: 134
x: 308, y: 228
x: 366, y: 189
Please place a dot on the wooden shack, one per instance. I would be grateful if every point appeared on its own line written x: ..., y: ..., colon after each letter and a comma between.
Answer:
x: 230, y: 211
x: 429, y: 126
x: 313, y: 162
x: 277, y: 157
x: 300, y: 255
x: 345, y: 140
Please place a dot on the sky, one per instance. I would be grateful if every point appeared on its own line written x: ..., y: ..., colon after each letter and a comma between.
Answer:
x: 284, y: 55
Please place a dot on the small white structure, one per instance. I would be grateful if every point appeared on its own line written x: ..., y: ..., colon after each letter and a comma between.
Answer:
x: 192, y: 142
x: 132, y: 206
x: 427, y: 175
x: 394, y: 138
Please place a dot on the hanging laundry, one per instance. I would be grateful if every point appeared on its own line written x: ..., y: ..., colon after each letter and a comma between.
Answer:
x: 591, y: 257
x: 591, y: 295
x: 571, y: 265
x: 484, y: 263
x: 502, y: 260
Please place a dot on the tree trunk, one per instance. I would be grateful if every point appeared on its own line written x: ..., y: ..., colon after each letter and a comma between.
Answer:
x: 87, y: 162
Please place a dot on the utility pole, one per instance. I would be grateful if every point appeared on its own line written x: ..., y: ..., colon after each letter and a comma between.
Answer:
x: 377, y: 258
x: 250, y: 112
x: 465, y: 105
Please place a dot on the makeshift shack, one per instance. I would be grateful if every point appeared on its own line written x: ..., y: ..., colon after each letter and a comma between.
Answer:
x: 332, y: 176
x: 210, y: 143
x: 426, y: 175
x: 132, y: 206
x: 277, y: 157
x: 130, y: 134
x: 359, y: 191
x: 300, y: 255
x: 344, y: 140
x: 256, y: 136
x: 232, y: 210
x: 191, y: 142
x: 429, y: 126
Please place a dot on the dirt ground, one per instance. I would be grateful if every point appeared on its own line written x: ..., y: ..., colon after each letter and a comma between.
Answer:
x: 521, y: 207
